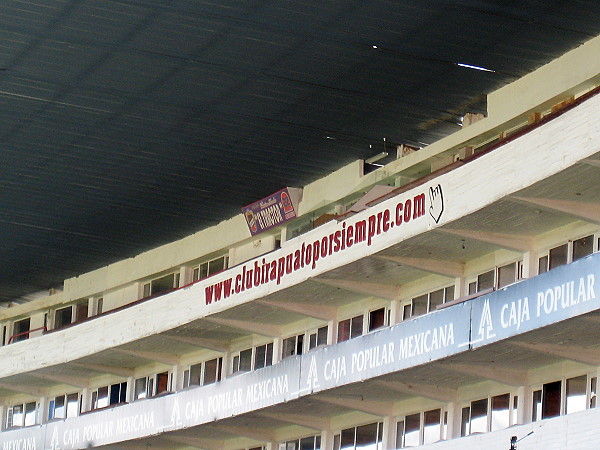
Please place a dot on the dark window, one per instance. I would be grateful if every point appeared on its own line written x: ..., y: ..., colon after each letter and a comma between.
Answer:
x: 246, y: 360
x: 263, y: 356
x: 558, y: 256
x: 162, y: 382
x: 583, y: 247
x: 118, y: 393
x: 163, y: 284
x: 350, y: 328
x: 376, y: 319
x: 500, y: 412
x: 141, y: 390
x: 367, y: 435
x: 20, y: 327
x: 479, y: 416
x: 318, y: 339
x: 543, y: 265
x: 432, y: 426
x: 551, y: 400
x: 356, y: 328
x: 419, y: 305
x: 292, y: 346
x: 343, y: 330
x: 407, y: 312
x: 81, y: 311
x: 485, y: 281
x: 212, y: 370
x: 436, y: 298
x: 507, y: 274
x: 63, y: 316
x: 195, y: 375
x: 412, y: 430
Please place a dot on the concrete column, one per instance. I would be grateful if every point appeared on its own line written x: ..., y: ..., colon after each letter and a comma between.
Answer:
x: 394, y: 315
x: 177, y: 378
x: 226, y: 369
x: 130, y: 394
x: 185, y: 276
x: 277, y: 342
x: 460, y: 287
x: 453, y: 428
x: 327, y: 440
x: 331, y: 332
x: 272, y: 446
x: 42, y: 415
x: 523, y: 405
x: 86, y: 399
x: 389, y: 433
x: 525, y: 409
x: 529, y: 264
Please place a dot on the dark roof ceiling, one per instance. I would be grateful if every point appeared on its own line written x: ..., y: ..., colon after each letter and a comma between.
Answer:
x: 129, y: 123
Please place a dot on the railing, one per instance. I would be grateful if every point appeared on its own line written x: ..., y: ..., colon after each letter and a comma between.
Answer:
x: 25, y: 333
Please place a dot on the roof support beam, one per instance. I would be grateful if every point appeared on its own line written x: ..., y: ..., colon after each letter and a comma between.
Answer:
x: 510, y: 377
x: 211, y: 344
x: 263, y: 329
x: 520, y: 243
x: 25, y: 389
x: 376, y: 408
x: 119, y: 371
x: 572, y: 352
x: 446, y: 268
x: 163, y: 358
x: 303, y: 420
x: 422, y: 390
x: 196, y: 442
x: 78, y: 382
x: 315, y: 311
x: 387, y: 291
x: 587, y: 211
x: 256, y: 433
x: 591, y: 162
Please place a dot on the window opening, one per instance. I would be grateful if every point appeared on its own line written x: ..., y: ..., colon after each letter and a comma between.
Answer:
x: 576, y: 394
x: 63, y: 316
x: 253, y: 358
x: 109, y: 395
x: 583, y: 247
x: 292, y: 346
x: 307, y: 443
x: 318, y: 338
x: 22, y: 415
x: 203, y: 373
x: 20, y: 327
x: 377, y: 319
x: 63, y: 406
x: 209, y: 268
x: 365, y: 437
x: 350, y: 328
x: 558, y: 256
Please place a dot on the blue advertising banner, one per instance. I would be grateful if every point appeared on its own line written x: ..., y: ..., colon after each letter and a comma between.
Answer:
x: 408, y: 344
x: 564, y: 292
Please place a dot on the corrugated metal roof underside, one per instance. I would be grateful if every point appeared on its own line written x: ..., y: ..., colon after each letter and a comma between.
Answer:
x: 127, y: 124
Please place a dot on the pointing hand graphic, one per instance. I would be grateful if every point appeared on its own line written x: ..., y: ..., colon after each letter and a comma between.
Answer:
x: 436, y: 199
